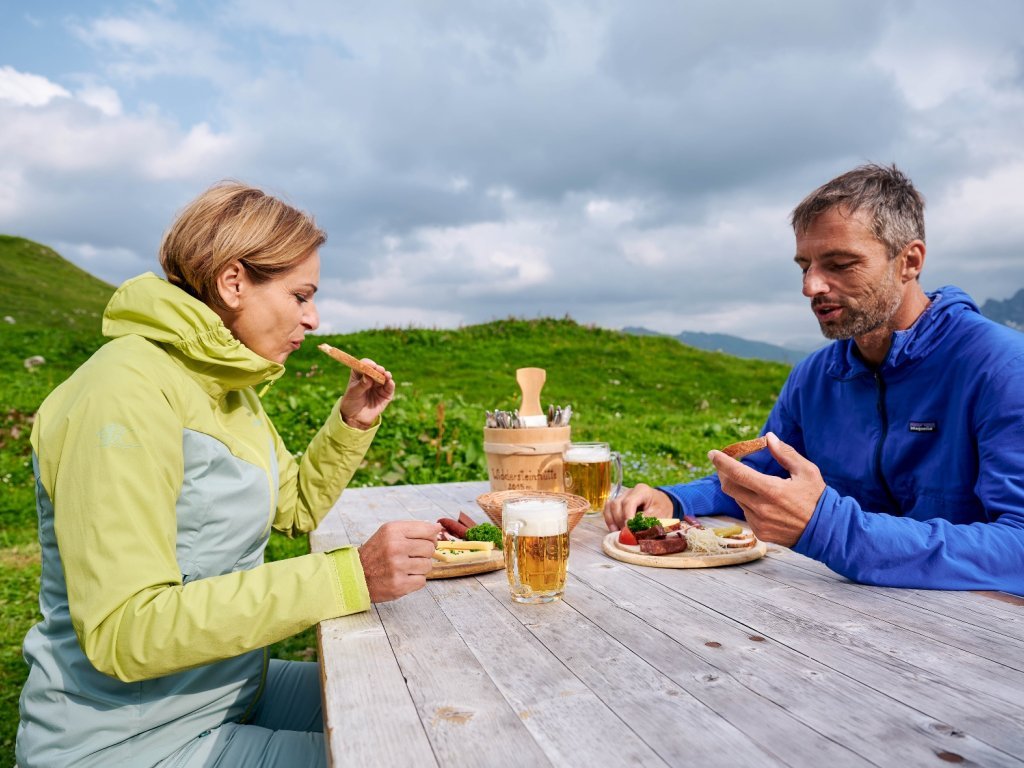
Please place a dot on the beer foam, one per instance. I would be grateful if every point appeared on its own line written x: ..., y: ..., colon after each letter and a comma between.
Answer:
x: 540, y: 517
x: 587, y: 454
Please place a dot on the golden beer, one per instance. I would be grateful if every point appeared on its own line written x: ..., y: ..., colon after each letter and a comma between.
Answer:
x: 588, y: 473
x: 536, y: 540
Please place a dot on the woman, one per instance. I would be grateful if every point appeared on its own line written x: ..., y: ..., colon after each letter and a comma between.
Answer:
x: 158, y: 478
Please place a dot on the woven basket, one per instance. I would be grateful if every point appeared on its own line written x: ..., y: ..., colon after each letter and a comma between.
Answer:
x: 491, y: 503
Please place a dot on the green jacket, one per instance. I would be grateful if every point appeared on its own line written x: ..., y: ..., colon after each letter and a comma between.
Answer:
x: 158, y: 479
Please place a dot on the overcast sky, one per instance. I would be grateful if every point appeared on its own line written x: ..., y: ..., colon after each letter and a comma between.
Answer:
x: 621, y: 162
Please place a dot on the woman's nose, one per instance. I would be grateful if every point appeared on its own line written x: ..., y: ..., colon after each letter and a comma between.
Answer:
x: 311, y: 317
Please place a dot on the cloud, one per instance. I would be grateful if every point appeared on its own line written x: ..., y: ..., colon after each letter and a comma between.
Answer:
x: 26, y: 89
x: 627, y: 164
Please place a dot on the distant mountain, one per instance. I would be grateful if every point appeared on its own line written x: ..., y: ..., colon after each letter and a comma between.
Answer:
x: 1008, y: 312
x: 731, y: 345
x: 41, y: 289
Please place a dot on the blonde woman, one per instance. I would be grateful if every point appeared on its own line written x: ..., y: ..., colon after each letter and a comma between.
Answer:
x: 159, y: 477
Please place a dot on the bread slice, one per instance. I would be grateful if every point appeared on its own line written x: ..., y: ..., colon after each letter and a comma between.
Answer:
x: 739, y: 450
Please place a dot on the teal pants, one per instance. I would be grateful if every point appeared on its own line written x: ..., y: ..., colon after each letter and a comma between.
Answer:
x: 286, y: 729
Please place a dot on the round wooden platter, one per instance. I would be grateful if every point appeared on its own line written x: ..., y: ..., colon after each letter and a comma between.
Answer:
x: 450, y: 570
x: 610, y: 545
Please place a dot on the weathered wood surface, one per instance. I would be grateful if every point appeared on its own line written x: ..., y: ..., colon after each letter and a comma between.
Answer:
x: 776, y: 662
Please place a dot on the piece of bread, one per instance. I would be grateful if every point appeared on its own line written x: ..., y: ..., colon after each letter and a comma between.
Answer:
x: 739, y: 450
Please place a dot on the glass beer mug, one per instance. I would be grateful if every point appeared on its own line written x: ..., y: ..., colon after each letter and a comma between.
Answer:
x: 588, y: 473
x: 536, y: 538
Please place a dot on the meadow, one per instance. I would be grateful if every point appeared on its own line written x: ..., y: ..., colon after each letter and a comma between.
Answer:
x: 660, y: 403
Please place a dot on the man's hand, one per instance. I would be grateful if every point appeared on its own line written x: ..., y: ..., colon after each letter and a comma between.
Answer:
x: 397, y: 558
x: 778, y: 509
x: 652, y: 502
x: 364, y: 399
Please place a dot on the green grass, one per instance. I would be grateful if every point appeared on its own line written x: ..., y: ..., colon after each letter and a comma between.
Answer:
x: 660, y: 403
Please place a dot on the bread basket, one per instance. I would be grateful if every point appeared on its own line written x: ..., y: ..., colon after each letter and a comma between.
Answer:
x: 492, y: 502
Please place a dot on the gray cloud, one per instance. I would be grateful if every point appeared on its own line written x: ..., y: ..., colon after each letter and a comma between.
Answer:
x: 626, y: 164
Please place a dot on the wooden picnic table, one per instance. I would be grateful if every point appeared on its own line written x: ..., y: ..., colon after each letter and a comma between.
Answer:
x: 777, y: 662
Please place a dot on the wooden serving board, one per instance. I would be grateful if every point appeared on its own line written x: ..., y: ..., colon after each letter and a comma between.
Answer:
x: 450, y: 570
x: 611, y: 547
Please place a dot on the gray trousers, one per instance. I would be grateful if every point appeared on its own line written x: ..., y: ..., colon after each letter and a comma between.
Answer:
x: 285, y: 730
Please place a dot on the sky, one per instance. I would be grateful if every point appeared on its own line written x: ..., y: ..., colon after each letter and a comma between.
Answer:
x: 620, y: 162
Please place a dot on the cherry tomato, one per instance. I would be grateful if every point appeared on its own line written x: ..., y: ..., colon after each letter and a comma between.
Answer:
x: 626, y: 536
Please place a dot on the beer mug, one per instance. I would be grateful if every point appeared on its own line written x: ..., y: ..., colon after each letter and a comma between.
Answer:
x: 536, y: 539
x: 588, y: 473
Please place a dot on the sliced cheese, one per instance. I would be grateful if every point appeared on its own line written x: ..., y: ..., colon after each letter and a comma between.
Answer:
x: 482, y: 545
x: 461, y: 555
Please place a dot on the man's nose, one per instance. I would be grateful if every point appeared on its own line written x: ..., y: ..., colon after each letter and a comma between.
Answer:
x: 814, y: 283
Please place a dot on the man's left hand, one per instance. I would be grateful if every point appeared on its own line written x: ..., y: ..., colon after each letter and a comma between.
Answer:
x: 777, y: 509
x: 364, y: 399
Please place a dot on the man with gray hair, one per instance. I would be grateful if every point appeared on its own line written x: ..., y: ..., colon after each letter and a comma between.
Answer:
x: 896, y: 454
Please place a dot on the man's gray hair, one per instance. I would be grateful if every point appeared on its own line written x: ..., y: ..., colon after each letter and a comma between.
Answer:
x: 896, y: 209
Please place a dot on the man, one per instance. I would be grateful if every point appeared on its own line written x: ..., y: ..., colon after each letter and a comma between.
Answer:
x: 896, y: 454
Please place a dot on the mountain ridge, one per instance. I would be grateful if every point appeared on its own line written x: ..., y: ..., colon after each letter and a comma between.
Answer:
x: 735, y: 346
x: 1009, y: 311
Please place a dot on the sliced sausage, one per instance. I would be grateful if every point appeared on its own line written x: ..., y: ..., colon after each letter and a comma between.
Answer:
x: 454, y: 527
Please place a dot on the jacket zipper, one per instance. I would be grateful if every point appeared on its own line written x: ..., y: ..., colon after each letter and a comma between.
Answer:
x: 883, y: 416
x: 259, y: 690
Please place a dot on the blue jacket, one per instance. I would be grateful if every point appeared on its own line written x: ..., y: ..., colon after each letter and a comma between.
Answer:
x: 923, y: 458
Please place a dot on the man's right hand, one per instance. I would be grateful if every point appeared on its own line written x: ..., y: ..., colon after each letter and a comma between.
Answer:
x: 397, y: 558
x: 652, y: 502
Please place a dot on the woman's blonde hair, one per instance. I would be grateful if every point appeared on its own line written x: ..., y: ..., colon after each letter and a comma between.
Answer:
x: 230, y: 222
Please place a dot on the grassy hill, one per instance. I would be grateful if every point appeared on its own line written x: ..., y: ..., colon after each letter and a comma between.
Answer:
x: 41, y: 289
x: 662, y: 404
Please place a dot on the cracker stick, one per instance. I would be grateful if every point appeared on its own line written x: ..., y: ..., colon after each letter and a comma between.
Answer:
x: 357, y: 365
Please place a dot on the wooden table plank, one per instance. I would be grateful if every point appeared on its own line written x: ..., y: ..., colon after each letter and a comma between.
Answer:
x: 363, y: 689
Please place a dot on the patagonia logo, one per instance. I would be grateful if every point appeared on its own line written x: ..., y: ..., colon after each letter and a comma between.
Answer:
x: 924, y: 426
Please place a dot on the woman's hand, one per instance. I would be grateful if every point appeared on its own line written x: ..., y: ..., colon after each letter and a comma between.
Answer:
x: 364, y: 399
x: 397, y: 558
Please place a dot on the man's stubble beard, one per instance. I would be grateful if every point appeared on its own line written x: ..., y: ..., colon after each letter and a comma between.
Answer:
x: 874, y: 312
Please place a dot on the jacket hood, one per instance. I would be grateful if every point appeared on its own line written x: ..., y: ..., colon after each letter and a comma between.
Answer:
x: 909, y: 345
x: 191, y: 332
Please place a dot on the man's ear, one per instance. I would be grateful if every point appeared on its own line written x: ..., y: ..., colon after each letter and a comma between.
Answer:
x: 231, y: 283
x: 913, y: 260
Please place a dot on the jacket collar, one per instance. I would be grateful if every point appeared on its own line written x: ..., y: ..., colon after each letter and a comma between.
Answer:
x: 189, y: 331
x: 916, y: 342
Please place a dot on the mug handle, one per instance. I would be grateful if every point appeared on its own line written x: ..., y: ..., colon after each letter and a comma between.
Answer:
x: 517, y: 583
x: 617, y: 485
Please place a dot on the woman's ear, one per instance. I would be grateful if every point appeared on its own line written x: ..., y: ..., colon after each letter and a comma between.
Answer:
x: 231, y: 283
